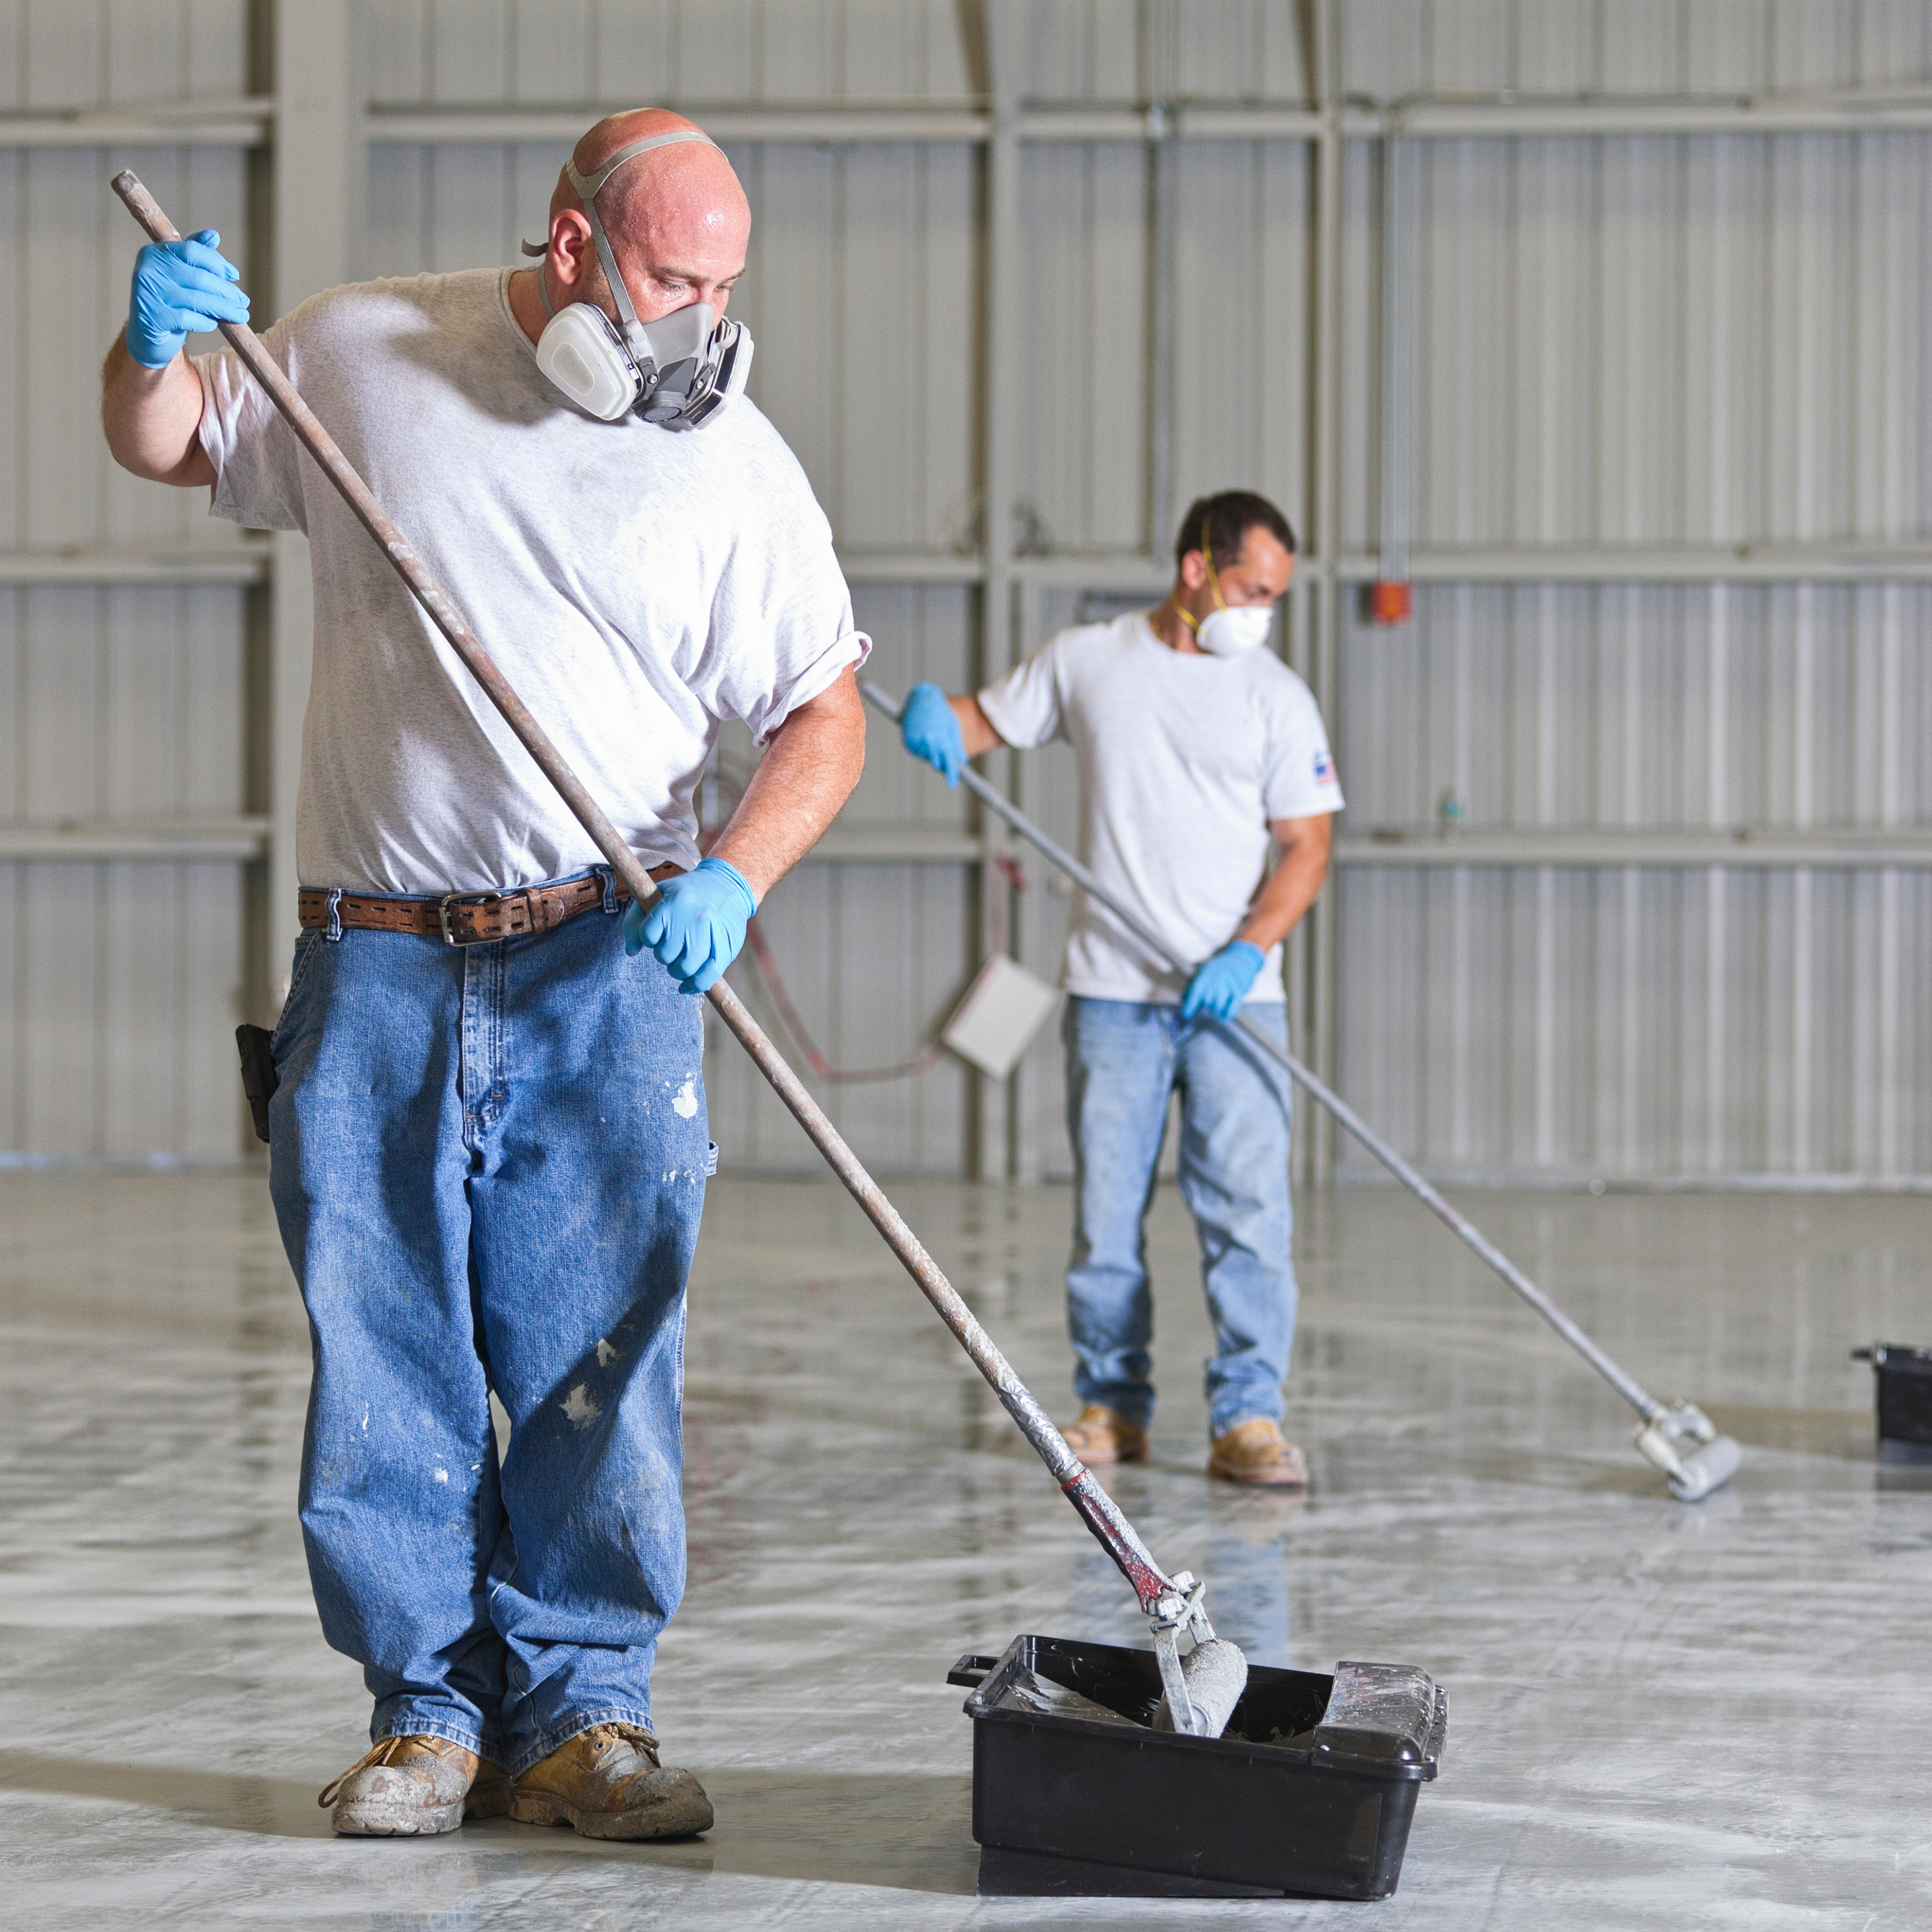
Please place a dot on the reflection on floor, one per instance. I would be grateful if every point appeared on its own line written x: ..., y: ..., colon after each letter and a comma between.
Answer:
x: 1660, y: 1716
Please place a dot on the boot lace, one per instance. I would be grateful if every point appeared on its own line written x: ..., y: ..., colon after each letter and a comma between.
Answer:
x: 383, y: 1752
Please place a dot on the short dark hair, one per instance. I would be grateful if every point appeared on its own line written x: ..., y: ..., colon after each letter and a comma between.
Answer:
x: 1227, y: 519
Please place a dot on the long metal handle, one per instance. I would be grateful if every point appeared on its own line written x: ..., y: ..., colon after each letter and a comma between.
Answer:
x: 1627, y: 1386
x: 1116, y: 1534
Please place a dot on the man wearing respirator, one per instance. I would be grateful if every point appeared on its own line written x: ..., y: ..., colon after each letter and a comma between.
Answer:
x: 1195, y: 746
x: 488, y: 1141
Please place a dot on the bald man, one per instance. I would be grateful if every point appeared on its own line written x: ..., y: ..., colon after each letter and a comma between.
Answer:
x: 487, y: 1142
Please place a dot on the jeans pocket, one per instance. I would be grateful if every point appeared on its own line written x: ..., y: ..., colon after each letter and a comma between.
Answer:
x: 306, y: 943
x: 710, y: 1158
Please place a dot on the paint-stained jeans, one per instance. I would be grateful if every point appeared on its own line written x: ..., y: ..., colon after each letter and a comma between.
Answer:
x: 488, y: 1164
x: 1123, y: 1059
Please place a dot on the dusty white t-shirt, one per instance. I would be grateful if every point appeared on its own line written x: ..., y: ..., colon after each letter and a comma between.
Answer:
x: 636, y: 585
x: 1182, y: 761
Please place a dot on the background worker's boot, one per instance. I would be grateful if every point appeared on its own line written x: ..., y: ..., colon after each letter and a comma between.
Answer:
x: 607, y: 1782
x: 407, y: 1787
x: 1255, y: 1451
x: 1100, y: 1434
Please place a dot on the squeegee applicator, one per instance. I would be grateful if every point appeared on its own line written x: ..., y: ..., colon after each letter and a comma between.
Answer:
x: 1677, y: 1437
x: 1172, y: 1604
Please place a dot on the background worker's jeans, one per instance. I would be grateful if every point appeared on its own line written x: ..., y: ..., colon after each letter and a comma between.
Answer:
x: 488, y: 1163
x: 1123, y: 1058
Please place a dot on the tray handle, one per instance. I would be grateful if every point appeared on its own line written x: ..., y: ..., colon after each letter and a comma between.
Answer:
x: 970, y: 1671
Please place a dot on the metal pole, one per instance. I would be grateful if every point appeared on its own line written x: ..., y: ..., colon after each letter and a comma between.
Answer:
x: 1394, y: 533
x: 1155, y: 1591
x: 1327, y: 491
x: 993, y: 1098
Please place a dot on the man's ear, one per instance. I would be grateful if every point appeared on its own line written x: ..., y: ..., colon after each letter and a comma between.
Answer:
x: 572, y: 252
x: 1193, y: 570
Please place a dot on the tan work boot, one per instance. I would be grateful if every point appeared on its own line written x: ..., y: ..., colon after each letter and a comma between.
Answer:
x: 1256, y: 1452
x: 1098, y: 1435
x: 607, y: 1782
x: 409, y: 1786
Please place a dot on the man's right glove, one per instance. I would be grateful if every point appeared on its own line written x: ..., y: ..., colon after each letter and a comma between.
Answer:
x: 1220, y: 985
x: 928, y: 729
x: 181, y: 289
x: 695, y: 925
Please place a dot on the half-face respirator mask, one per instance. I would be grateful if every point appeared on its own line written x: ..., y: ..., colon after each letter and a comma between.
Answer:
x: 677, y: 372
x: 1227, y: 631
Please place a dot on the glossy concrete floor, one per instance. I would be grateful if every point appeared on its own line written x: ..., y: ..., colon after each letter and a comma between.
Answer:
x: 1661, y: 1716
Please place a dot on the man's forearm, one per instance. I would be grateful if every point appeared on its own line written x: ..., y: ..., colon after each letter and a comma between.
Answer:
x: 976, y: 728
x: 807, y: 772
x: 152, y: 418
x: 1292, y: 887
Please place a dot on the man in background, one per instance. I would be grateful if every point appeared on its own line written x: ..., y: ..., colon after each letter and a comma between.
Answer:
x: 1196, y: 748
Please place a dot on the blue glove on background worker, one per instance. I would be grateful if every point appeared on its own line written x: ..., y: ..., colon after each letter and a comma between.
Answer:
x: 1221, y: 983
x: 928, y: 729
x: 181, y: 289
x: 695, y: 925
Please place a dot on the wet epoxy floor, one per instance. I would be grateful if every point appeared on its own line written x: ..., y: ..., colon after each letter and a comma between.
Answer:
x: 1663, y: 1716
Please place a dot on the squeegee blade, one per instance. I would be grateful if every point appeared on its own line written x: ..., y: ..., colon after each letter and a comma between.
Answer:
x: 1706, y: 1469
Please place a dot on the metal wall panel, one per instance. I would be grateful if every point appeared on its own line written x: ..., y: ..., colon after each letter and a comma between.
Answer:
x: 1167, y: 50
x: 623, y: 52
x: 120, y: 981
x: 1646, y: 340
x: 1631, y: 47
x: 1627, y: 1023
x: 1617, y: 341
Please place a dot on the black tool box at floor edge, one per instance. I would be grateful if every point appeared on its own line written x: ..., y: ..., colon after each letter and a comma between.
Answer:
x: 1903, y: 1377
x: 1310, y: 1790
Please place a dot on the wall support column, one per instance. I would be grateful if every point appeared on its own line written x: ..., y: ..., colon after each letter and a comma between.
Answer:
x: 316, y: 203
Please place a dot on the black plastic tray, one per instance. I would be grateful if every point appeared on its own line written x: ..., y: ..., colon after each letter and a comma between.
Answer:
x: 1904, y: 1400
x: 1309, y: 1791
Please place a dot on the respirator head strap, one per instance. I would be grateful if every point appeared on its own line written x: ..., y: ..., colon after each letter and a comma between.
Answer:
x: 588, y: 187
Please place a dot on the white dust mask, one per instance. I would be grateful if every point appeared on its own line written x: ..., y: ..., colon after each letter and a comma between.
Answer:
x: 1226, y: 633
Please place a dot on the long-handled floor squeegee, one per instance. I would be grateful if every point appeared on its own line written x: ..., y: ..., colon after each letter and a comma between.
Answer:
x: 1200, y: 1689
x: 1677, y: 1437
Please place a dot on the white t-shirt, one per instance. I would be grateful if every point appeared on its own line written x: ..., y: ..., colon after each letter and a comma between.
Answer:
x: 636, y: 585
x: 1183, y: 760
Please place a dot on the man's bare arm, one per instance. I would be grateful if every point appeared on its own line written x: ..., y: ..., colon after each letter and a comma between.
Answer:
x: 975, y: 726
x: 152, y: 417
x: 809, y: 768
x: 1293, y: 885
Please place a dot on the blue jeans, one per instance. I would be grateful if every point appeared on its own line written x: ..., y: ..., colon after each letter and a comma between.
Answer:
x: 488, y: 1164
x: 1123, y: 1059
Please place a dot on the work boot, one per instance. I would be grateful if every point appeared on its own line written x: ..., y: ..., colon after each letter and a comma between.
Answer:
x: 607, y: 1782
x: 1256, y: 1452
x: 411, y: 1785
x: 1099, y: 1435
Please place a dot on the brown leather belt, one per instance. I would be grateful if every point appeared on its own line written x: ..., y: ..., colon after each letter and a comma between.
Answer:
x: 463, y: 919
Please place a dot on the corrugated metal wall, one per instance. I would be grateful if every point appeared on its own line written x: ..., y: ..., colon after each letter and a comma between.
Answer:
x: 119, y: 980
x: 1652, y: 341
x: 1663, y: 340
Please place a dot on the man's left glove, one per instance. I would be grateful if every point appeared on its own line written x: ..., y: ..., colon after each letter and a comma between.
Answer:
x: 181, y: 289
x: 1220, y: 985
x: 695, y: 925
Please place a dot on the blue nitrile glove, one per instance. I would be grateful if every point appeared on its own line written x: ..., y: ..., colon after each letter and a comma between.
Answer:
x: 181, y: 289
x: 928, y: 729
x: 1220, y: 985
x: 695, y: 925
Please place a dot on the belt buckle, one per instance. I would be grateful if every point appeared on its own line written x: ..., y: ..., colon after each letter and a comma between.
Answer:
x: 443, y: 905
